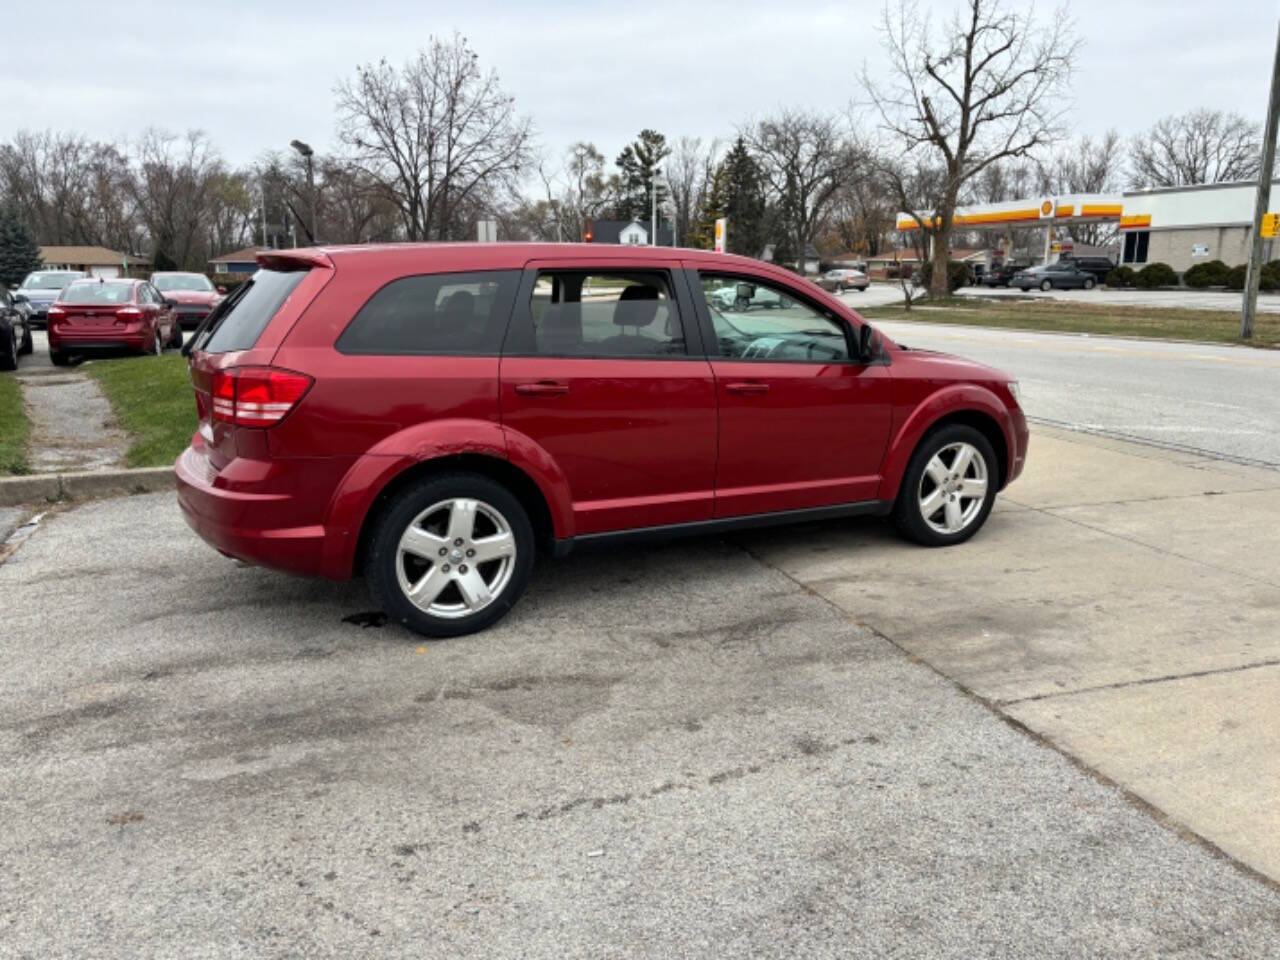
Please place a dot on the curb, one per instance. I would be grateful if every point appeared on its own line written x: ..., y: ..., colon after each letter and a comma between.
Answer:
x: 89, y: 485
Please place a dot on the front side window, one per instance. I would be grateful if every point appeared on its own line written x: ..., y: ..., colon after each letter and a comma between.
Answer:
x: 435, y: 314
x: 756, y: 321
x: 605, y: 314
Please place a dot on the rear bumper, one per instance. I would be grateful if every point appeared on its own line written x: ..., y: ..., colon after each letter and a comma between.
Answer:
x: 246, y: 524
x: 66, y: 339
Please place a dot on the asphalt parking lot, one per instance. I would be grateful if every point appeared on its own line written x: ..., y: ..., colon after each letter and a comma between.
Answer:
x: 688, y: 750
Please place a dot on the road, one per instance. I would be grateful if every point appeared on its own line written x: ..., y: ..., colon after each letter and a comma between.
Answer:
x: 886, y: 294
x: 1221, y: 400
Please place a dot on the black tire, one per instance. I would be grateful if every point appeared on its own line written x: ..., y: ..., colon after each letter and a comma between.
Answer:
x: 59, y: 359
x: 383, y: 554
x: 907, y: 514
x: 1088, y: 283
x: 1046, y: 285
x: 27, y: 345
x: 9, y: 351
x: 175, y: 338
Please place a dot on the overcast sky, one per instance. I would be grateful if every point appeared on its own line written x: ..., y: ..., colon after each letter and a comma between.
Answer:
x: 254, y: 75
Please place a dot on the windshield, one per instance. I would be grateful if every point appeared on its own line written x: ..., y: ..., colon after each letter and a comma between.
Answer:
x: 107, y: 291
x: 181, y: 281
x: 49, y: 281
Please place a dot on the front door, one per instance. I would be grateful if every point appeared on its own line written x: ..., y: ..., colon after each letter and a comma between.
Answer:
x: 604, y: 369
x: 802, y: 422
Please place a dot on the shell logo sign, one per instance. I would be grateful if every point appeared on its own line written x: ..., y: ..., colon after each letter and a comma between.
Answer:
x: 1046, y: 208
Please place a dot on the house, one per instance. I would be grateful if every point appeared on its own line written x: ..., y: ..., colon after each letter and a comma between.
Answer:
x: 95, y: 261
x: 811, y: 257
x: 237, y: 261
x: 634, y: 232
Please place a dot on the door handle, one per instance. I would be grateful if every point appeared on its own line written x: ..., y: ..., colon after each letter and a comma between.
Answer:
x: 543, y: 388
x: 747, y: 389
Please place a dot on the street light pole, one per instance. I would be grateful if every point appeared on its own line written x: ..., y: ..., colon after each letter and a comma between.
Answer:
x: 1254, y: 274
x: 307, y: 153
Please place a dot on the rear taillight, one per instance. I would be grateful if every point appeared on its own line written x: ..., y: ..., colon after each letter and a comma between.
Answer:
x: 128, y: 313
x: 256, y: 396
x: 56, y: 313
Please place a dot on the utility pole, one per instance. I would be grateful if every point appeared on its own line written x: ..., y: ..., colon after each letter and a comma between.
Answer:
x: 307, y: 155
x: 1254, y: 274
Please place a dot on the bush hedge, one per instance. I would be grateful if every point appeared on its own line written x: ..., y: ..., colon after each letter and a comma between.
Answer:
x: 230, y: 280
x: 1235, y: 277
x: 1120, y: 277
x: 1268, y: 278
x: 1156, y: 275
x: 1213, y: 273
x: 957, y: 275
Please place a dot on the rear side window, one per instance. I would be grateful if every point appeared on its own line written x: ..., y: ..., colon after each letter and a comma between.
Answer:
x: 603, y: 314
x: 242, y: 325
x: 435, y: 314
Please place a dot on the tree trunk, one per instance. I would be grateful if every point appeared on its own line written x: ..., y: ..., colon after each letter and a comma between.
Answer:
x: 938, y: 282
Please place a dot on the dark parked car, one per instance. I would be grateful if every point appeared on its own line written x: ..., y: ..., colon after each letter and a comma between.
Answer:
x: 1000, y: 276
x: 97, y: 315
x: 40, y: 288
x: 15, y: 330
x: 1098, y: 266
x: 1061, y: 275
x: 431, y: 416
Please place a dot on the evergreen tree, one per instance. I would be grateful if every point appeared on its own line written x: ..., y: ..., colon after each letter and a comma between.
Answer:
x: 744, y: 201
x: 19, y: 254
x: 637, y: 164
x: 715, y: 204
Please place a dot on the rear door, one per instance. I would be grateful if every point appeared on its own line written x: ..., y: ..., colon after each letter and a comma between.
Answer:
x: 604, y: 369
x: 802, y: 423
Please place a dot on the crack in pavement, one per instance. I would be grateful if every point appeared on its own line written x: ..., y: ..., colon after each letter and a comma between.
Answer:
x: 1122, y: 684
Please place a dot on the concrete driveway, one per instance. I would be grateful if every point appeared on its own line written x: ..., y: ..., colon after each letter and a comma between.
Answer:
x: 697, y: 749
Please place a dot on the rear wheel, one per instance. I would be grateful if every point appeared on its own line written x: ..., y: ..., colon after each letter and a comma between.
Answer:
x: 58, y: 358
x: 949, y: 487
x: 157, y: 345
x: 9, y: 351
x: 1088, y: 283
x: 451, y: 555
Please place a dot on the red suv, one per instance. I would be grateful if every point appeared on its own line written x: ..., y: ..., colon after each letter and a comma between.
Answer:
x: 433, y: 415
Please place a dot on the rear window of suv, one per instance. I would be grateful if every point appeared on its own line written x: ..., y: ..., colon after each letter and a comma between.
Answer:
x: 435, y: 314
x: 241, y: 326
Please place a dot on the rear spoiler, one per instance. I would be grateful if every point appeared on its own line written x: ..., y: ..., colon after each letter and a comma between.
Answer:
x: 303, y: 258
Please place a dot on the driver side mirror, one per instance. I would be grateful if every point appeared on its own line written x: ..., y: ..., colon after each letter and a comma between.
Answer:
x: 170, y: 303
x: 222, y: 289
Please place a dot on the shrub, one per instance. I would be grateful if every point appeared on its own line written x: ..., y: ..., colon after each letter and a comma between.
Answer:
x: 1268, y: 277
x: 230, y: 280
x: 1120, y: 277
x: 1210, y: 274
x: 957, y: 275
x: 1156, y: 275
x: 1235, y: 277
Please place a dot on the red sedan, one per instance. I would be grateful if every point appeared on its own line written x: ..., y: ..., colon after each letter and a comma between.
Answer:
x: 193, y: 294
x: 433, y: 416
x: 106, y: 315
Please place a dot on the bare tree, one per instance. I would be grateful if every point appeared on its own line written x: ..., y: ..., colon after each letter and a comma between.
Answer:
x: 992, y: 86
x: 805, y: 158
x: 173, y: 186
x: 687, y: 181
x: 1085, y: 166
x: 1203, y: 146
x: 439, y: 135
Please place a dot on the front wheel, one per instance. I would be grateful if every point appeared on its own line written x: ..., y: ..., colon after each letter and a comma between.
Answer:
x: 27, y: 345
x: 1046, y: 285
x: 175, y: 337
x: 949, y: 487
x: 9, y: 352
x: 451, y: 555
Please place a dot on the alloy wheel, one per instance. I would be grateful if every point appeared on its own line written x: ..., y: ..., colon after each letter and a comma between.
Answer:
x: 953, y: 488
x: 456, y: 558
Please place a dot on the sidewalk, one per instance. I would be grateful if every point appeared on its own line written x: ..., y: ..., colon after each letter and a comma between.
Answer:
x: 1122, y: 603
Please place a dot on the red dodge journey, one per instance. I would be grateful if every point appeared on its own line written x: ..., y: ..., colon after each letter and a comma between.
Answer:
x: 432, y: 416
